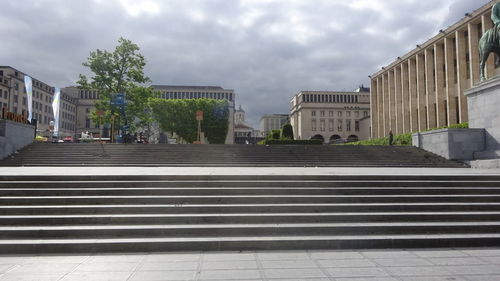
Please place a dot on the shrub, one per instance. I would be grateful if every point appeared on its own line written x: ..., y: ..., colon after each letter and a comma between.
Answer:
x: 275, y: 134
x: 287, y: 131
x: 402, y: 139
x: 292, y: 142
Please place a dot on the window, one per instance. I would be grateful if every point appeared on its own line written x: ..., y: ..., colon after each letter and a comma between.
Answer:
x: 356, y: 114
x: 87, y: 123
x: 356, y: 126
x: 15, y: 98
x: 330, y: 124
x: 339, y: 113
x: 330, y: 113
x: 339, y: 125
x: 313, y: 124
x: 348, y: 114
x: 348, y: 124
x: 322, y: 113
x: 365, y: 113
x: 313, y: 113
x: 87, y: 110
x: 322, y: 125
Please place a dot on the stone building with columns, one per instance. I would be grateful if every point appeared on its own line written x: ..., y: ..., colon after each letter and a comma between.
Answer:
x: 424, y: 88
x: 331, y: 116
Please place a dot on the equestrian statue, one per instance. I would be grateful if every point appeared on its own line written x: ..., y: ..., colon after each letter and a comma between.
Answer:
x: 490, y: 41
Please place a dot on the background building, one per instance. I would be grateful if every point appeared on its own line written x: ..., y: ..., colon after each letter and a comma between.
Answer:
x: 270, y: 122
x: 196, y: 92
x: 85, y: 100
x: 424, y: 88
x: 331, y: 116
x: 14, y: 98
x: 244, y: 133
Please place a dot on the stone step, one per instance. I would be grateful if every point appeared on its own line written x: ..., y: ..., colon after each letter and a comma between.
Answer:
x: 246, y: 208
x: 235, y: 230
x: 242, y: 218
x: 19, y: 246
x: 223, y: 155
x: 250, y: 183
x: 242, y: 199
x: 193, y: 191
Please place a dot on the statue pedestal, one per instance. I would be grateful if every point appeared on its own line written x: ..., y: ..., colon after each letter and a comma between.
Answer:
x: 484, y: 112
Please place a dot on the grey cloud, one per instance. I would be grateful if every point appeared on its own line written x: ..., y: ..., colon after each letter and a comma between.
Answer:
x: 50, y: 39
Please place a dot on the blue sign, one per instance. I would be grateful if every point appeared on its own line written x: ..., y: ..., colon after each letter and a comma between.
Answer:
x: 119, y: 99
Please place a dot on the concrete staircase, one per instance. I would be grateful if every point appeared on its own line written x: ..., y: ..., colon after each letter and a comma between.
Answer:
x: 43, y: 214
x: 70, y: 154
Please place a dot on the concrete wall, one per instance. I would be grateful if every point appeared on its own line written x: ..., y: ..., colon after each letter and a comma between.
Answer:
x: 484, y: 106
x: 14, y: 136
x: 455, y: 144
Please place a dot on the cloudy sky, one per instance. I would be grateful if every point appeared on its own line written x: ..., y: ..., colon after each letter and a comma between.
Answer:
x: 266, y: 50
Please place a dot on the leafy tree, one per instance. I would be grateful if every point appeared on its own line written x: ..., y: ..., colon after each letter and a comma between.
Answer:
x: 120, y: 71
x: 287, y: 131
x: 179, y: 116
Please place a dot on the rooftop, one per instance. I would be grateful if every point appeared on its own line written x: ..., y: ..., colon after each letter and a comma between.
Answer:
x: 177, y: 87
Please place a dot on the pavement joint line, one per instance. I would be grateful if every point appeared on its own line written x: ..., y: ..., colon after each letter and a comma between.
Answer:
x: 74, y: 268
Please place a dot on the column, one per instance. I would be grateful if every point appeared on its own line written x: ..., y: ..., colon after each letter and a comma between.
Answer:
x: 385, y: 104
x: 429, y: 87
x: 392, y: 101
x: 399, y: 101
x: 440, y: 84
x: 405, y: 96
x: 489, y: 69
x: 462, y: 75
x: 451, y: 80
x: 387, y: 116
x: 421, y: 99
x: 412, y: 86
x: 473, y: 53
x: 380, y: 106
x: 373, y: 107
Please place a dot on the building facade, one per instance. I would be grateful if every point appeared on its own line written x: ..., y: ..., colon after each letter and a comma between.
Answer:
x: 271, y: 122
x: 14, y: 98
x: 330, y: 116
x: 424, y: 88
x: 198, y: 92
x: 85, y: 101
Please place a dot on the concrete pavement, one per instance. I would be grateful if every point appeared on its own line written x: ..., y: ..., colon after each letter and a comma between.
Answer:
x: 376, y: 265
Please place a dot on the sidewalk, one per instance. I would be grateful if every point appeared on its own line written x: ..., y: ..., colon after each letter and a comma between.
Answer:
x: 371, y: 265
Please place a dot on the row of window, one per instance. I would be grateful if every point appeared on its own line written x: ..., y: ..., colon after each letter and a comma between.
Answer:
x: 68, y: 107
x: 86, y: 94
x: 88, y: 124
x: 68, y: 116
x: 339, y: 113
x: 197, y: 95
x: 67, y: 126
x: 331, y: 98
x: 331, y: 127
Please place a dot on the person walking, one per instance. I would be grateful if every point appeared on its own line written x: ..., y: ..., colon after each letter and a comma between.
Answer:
x: 391, y: 137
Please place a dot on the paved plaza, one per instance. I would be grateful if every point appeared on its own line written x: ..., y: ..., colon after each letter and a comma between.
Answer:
x: 371, y: 265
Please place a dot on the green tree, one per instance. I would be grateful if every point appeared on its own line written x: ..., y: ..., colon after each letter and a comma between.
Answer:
x: 120, y: 71
x: 179, y: 116
x: 287, y: 131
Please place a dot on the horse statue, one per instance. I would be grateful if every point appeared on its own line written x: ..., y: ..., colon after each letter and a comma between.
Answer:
x: 490, y: 41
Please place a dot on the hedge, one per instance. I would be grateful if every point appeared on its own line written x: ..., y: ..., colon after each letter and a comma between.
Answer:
x: 291, y: 142
x: 402, y: 139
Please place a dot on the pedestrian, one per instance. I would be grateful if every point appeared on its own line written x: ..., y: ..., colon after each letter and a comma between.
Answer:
x: 391, y: 137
